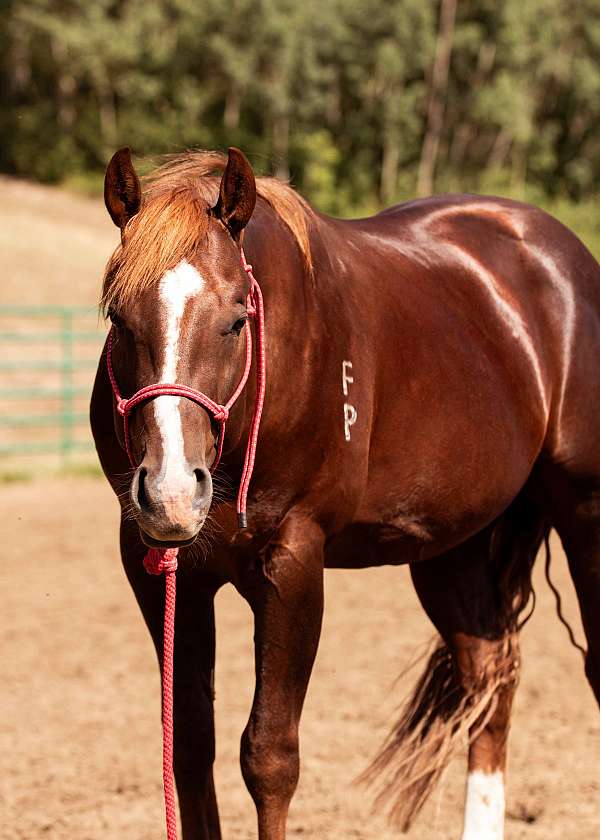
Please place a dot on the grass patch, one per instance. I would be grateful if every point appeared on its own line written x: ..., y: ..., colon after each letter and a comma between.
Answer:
x: 77, y: 470
x: 15, y: 476
x: 87, y: 470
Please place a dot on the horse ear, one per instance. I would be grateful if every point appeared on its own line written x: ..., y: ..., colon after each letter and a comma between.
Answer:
x: 237, y: 193
x: 122, y: 191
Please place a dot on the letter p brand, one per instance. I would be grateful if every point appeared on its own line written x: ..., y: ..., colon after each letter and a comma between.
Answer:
x: 350, y: 416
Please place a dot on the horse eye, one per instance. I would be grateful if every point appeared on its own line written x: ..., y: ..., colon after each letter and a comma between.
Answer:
x: 114, y: 318
x: 239, y: 325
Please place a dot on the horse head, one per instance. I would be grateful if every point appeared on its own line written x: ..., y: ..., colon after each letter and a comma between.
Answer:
x: 176, y: 293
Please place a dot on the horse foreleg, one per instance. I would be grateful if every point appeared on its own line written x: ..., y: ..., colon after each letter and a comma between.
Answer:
x: 194, y: 737
x: 286, y: 596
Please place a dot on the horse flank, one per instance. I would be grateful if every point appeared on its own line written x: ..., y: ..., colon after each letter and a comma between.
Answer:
x: 173, y: 222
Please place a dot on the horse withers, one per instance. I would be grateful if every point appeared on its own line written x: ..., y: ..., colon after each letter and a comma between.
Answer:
x: 433, y: 394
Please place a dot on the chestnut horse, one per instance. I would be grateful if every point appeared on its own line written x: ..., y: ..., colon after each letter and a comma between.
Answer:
x: 433, y: 398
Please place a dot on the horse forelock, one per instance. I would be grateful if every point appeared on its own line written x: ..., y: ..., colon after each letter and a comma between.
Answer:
x: 173, y: 222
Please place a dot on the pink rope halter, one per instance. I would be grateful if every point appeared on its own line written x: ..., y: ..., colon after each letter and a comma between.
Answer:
x: 220, y: 413
x: 159, y: 561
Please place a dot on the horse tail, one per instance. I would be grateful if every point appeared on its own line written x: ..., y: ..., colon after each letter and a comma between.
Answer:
x: 558, y: 599
x: 444, y: 712
x: 437, y: 719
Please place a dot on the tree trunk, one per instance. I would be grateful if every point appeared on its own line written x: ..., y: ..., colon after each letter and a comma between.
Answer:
x: 233, y: 104
x: 107, y: 110
x: 518, y: 174
x: 466, y: 130
x: 389, y: 165
x: 66, y: 86
x: 19, y: 61
x: 437, y: 93
x: 499, y: 150
x: 281, y: 144
x: 390, y: 157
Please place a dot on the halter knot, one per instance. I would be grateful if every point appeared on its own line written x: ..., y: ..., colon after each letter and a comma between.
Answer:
x: 251, y: 305
x: 159, y: 560
x: 122, y: 406
x: 221, y: 415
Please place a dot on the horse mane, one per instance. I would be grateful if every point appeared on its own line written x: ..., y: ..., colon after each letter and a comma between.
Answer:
x: 173, y: 221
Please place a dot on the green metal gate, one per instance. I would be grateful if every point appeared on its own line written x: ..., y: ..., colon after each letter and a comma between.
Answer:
x: 48, y: 355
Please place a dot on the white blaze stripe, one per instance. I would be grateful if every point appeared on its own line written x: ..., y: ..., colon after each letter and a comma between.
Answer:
x: 176, y: 288
x: 484, y: 806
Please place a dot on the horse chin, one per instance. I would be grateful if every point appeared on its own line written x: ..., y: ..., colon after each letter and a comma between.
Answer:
x: 153, y: 542
x: 155, y: 536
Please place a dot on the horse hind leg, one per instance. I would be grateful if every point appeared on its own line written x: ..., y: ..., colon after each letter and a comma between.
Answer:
x: 475, y: 595
x: 492, y: 669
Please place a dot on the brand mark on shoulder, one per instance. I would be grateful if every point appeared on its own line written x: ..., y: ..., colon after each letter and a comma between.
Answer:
x: 350, y: 413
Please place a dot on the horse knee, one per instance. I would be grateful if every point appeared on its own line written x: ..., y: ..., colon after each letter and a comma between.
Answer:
x: 270, y: 763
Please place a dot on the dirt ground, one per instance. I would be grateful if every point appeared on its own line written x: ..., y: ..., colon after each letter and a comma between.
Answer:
x: 53, y: 245
x: 80, y: 753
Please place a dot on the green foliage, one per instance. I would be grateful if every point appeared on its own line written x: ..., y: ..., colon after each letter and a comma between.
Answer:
x: 334, y: 94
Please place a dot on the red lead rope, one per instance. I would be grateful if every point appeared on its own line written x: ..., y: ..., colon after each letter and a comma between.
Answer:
x: 159, y: 561
x: 156, y: 562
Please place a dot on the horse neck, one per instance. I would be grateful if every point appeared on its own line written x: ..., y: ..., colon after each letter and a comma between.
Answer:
x: 291, y: 313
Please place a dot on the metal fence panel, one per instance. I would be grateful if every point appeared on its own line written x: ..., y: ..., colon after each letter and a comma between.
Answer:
x: 48, y: 355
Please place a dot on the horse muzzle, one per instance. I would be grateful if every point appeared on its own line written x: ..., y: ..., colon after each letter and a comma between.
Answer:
x: 170, y: 508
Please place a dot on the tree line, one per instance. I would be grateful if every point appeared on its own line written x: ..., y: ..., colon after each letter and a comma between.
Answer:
x: 359, y: 102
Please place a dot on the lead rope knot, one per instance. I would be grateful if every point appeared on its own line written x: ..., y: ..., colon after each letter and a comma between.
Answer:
x: 159, y: 560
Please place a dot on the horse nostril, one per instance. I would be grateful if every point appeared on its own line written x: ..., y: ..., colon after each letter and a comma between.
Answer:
x: 203, y: 487
x: 141, y: 494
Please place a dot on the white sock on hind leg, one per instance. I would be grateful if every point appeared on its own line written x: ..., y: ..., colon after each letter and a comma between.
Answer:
x: 484, y: 806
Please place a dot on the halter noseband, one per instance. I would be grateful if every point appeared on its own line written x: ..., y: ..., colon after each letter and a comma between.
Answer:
x: 220, y: 413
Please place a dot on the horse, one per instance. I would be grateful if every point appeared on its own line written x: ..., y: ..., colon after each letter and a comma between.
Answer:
x: 432, y: 399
